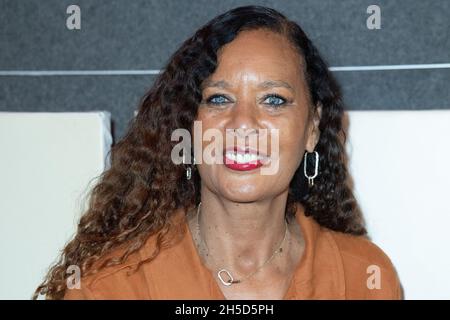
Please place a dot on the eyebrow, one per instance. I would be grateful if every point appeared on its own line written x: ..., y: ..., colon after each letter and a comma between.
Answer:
x: 222, y: 84
x: 275, y: 83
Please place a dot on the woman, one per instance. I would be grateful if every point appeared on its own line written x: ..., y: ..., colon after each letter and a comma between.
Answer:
x: 159, y: 230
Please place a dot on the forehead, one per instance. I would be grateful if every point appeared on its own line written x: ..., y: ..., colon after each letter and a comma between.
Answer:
x: 259, y: 54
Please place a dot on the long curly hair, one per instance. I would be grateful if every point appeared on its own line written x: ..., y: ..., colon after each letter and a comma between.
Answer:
x: 137, y: 196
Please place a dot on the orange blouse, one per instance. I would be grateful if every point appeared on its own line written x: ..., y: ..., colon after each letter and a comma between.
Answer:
x: 334, y: 265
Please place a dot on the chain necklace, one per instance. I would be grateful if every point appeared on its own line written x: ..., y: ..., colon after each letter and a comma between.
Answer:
x: 223, y: 271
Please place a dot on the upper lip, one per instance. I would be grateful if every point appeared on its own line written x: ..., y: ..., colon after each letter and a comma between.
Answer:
x: 247, y: 149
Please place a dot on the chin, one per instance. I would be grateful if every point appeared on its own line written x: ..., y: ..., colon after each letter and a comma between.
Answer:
x: 241, y: 198
x: 242, y: 193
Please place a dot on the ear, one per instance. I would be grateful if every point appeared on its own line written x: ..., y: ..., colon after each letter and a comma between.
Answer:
x: 313, y: 129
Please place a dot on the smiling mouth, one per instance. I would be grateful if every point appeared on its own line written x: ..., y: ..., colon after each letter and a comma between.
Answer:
x: 243, y: 159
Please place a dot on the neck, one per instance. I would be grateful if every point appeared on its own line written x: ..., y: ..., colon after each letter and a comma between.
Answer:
x: 241, y: 236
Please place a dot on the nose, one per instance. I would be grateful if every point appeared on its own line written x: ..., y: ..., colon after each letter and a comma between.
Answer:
x: 242, y: 128
x: 244, y: 118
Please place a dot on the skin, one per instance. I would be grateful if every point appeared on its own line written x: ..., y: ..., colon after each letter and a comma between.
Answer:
x: 242, y: 212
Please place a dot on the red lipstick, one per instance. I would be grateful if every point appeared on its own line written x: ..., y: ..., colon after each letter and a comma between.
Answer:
x: 239, y: 159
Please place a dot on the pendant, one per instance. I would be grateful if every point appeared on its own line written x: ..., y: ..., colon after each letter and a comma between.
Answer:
x: 228, y: 282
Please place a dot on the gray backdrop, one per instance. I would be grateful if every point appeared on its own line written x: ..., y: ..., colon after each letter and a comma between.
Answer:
x: 124, y: 36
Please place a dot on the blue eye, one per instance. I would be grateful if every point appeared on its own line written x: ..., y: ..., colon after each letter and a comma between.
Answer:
x: 271, y: 100
x: 217, y: 99
x: 274, y: 100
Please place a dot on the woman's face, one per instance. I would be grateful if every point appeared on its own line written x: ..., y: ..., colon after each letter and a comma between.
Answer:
x: 258, y: 84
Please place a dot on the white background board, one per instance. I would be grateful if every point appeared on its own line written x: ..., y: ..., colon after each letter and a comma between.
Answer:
x: 47, y: 161
x: 400, y: 162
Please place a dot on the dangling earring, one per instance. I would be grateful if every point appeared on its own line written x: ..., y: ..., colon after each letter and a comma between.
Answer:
x: 316, y: 167
x: 188, y: 169
x: 188, y: 173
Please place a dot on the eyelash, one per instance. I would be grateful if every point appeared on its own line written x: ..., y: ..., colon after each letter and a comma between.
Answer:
x: 209, y: 100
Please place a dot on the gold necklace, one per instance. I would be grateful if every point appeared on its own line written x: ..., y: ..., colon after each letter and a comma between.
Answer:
x: 223, y: 271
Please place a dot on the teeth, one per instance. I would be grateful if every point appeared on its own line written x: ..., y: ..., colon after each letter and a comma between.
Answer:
x: 242, y: 157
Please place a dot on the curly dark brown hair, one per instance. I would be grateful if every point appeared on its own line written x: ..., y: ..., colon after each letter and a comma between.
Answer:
x: 136, y: 197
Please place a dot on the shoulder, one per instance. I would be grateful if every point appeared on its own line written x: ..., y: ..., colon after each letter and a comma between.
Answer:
x: 369, y: 272
x: 125, y: 279
x: 114, y: 278
x: 95, y: 286
x: 360, y: 249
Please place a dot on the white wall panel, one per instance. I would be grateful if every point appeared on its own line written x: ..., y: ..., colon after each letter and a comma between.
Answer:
x: 46, y: 163
x: 400, y: 163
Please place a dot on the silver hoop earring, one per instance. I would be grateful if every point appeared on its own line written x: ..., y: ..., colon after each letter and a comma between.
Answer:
x: 316, y: 168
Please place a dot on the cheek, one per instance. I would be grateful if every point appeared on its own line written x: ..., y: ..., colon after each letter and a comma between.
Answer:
x: 208, y: 142
x: 205, y: 124
x: 210, y: 119
x: 292, y: 143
